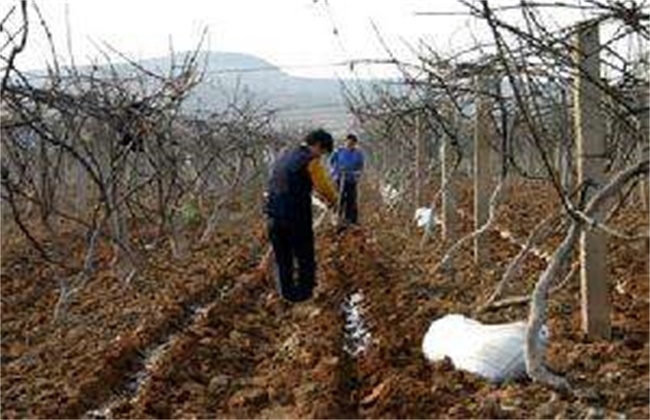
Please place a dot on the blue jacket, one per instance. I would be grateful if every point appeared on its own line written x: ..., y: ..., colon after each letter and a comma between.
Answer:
x: 346, y: 161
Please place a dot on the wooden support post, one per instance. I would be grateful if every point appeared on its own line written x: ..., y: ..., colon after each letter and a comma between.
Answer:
x: 447, y: 159
x: 482, y: 168
x: 591, y: 148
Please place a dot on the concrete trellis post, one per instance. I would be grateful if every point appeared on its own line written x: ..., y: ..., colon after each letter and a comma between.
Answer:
x: 591, y: 148
x: 482, y: 168
x: 449, y: 218
x: 644, y: 144
x: 565, y: 155
x: 419, y: 161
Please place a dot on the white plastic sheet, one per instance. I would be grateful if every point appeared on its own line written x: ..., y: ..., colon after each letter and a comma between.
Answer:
x: 357, y: 333
x: 495, y: 352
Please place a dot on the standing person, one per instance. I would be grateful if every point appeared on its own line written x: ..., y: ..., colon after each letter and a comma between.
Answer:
x: 347, y: 165
x: 289, y: 212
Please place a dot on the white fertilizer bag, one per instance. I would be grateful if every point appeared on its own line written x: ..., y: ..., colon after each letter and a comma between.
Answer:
x: 495, y: 352
x: 315, y: 201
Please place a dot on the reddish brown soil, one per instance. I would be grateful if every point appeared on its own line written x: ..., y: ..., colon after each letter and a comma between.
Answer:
x: 249, y: 355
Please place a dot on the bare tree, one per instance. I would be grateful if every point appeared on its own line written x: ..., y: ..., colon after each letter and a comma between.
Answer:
x: 110, y: 149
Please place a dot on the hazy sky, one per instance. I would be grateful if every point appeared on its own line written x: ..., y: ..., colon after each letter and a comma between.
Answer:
x: 304, y: 37
x: 284, y: 32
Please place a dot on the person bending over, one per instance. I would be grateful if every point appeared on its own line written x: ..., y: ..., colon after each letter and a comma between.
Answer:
x: 289, y: 212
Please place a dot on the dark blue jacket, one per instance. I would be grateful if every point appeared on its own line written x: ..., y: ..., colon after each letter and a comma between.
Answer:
x: 290, y: 187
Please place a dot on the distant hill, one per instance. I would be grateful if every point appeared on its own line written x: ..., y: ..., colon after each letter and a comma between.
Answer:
x: 299, y: 100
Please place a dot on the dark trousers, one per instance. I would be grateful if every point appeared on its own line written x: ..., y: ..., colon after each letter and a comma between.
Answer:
x: 293, y: 243
x: 349, y: 207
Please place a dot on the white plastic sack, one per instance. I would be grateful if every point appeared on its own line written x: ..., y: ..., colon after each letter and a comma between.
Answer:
x: 495, y: 352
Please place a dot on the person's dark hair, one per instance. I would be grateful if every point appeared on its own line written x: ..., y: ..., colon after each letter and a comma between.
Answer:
x: 352, y: 137
x: 321, y: 137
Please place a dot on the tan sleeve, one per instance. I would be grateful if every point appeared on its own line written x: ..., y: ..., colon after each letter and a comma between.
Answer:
x: 322, y: 182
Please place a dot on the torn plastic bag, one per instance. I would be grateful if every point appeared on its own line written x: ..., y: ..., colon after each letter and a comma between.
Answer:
x: 425, y: 215
x: 389, y: 194
x: 495, y: 352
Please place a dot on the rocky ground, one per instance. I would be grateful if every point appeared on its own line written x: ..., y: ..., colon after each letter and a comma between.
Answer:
x: 207, y: 337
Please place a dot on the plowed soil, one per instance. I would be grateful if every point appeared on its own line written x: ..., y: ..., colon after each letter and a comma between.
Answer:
x: 208, y: 337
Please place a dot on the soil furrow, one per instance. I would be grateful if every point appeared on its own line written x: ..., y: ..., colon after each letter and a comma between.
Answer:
x: 126, y: 357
